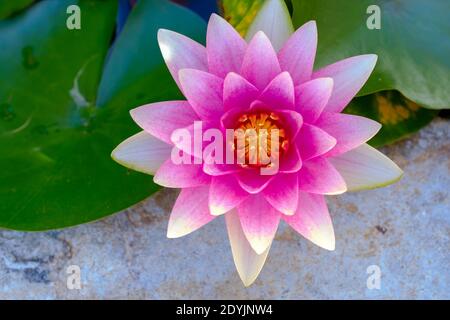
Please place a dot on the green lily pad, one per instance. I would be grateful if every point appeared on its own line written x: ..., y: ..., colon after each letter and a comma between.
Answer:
x: 240, y: 14
x: 413, y: 44
x: 9, y: 7
x: 57, y: 127
x: 399, y: 116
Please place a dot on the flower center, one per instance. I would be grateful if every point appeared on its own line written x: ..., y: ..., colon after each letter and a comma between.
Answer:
x: 254, y: 138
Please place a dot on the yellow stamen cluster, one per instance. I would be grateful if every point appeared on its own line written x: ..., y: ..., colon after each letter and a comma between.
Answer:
x: 258, y: 137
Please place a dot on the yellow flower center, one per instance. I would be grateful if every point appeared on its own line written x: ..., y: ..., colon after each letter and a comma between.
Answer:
x: 257, y: 144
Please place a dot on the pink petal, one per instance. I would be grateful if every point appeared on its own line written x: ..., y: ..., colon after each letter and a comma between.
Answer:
x: 190, y: 212
x: 172, y: 175
x: 217, y: 169
x: 259, y: 222
x: 313, y: 221
x: 350, y: 131
x: 291, y: 161
x: 142, y: 152
x: 238, y: 92
x: 279, y: 93
x: 225, y: 194
x: 293, y: 121
x: 160, y: 119
x: 180, y: 52
x: 298, y: 53
x: 260, y: 63
x: 196, y: 137
x: 282, y: 193
x: 225, y: 47
x: 248, y: 263
x: 313, y: 141
x: 311, y: 98
x: 204, y: 92
x: 252, y: 181
x: 319, y: 176
x: 349, y: 75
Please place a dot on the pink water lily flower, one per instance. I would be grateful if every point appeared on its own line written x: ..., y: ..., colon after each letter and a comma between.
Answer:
x: 267, y: 81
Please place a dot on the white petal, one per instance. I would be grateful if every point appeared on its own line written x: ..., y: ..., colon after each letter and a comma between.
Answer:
x: 248, y: 263
x: 366, y: 168
x: 275, y: 21
x: 142, y: 152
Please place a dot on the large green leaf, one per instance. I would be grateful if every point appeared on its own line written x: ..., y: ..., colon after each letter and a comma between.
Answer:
x: 9, y: 7
x: 399, y: 116
x: 240, y: 14
x: 413, y: 43
x: 55, y: 139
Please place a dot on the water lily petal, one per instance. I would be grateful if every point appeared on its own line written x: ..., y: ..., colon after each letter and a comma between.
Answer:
x: 293, y: 122
x: 161, y: 119
x: 225, y: 194
x: 366, y: 168
x: 313, y: 141
x: 238, y: 92
x: 279, y: 93
x: 349, y: 75
x: 252, y: 181
x: 319, y: 176
x: 282, y: 193
x: 172, y: 175
x: 298, y: 53
x: 260, y: 63
x: 291, y: 161
x: 142, y: 152
x: 190, y: 212
x: 349, y: 131
x: 313, y: 221
x: 248, y: 263
x: 259, y: 222
x: 225, y: 47
x: 180, y: 52
x: 311, y: 98
x: 204, y: 92
x: 275, y: 21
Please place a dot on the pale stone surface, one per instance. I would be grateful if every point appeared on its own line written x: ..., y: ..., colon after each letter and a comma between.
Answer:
x: 404, y: 229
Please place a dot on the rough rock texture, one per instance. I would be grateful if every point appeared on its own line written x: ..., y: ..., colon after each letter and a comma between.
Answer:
x: 404, y: 229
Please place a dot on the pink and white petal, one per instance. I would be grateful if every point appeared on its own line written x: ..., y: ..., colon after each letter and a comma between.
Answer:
x: 252, y: 181
x: 279, y: 93
x: 224, y: 46
x: 180, y: 52
x: 204, y: 92
x: 275, y: 21
x: 350, y: 131
x: 225, y: 194
x: 238, y: 92
x: 319, y: 176
x: 260, y: 63
x: 311, y: 98
x: 313, y: 221
x: 248, y: 263
x: 161, y: 119
x: 291, y: 161
x: 366, y: 168
x: 349, y: 75
x: 313, y: 142
x: 142, y: 152
x: 190, y: 139
x: 259, y: 222
x: 190, y: 212
x: 172, y: 175
x: 282, y: 193
x: 298, y: 53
